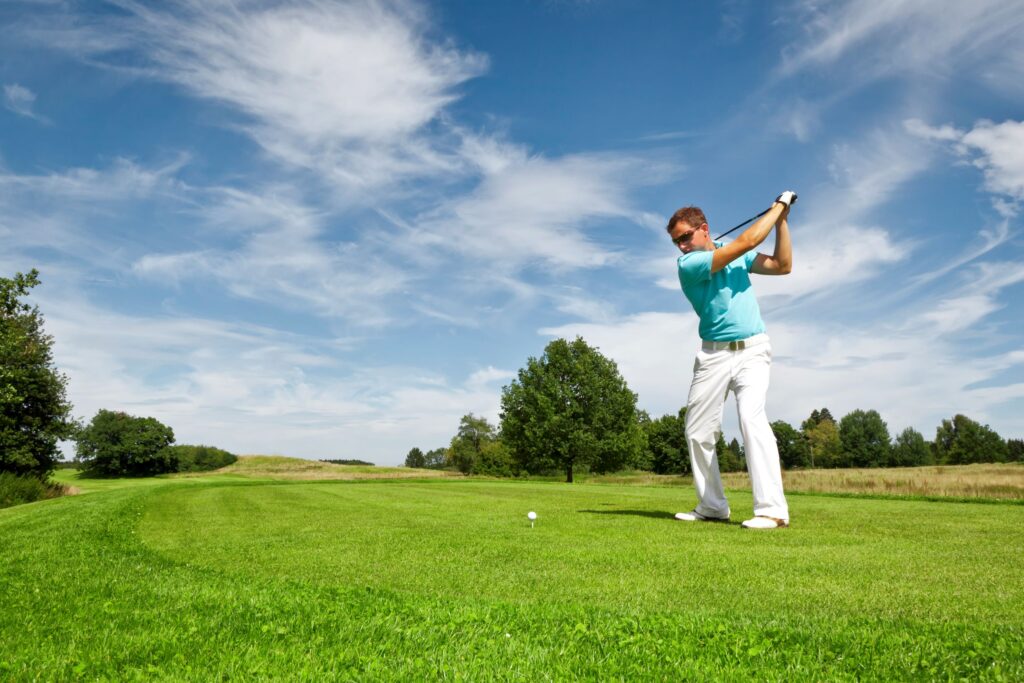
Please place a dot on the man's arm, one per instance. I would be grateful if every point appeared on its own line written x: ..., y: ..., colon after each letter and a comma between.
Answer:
x: 748, y: 239
x: 780, y: 262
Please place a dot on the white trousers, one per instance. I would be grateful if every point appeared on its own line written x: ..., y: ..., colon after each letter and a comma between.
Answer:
x: 744, y: 372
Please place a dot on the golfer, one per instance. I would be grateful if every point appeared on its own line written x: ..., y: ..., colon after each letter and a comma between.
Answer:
x: 735, y: 354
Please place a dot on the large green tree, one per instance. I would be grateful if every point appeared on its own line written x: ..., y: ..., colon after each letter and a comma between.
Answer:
x: 34, y: 411
x: 909, y: 449
x: 962, y: 440
x: 116, y: 444
x: 865, y: 439
x: 666, y: 444
x: 570, y: 407
x: 794, y: 450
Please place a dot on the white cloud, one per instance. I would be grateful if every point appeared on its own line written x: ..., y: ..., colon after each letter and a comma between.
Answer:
x: 962, y: 312
x: 56, y: 211
x: 123, y: 180
x: 997, y: 149
x: 534, y: 210
x: 347, y: 89
x: 21, y: 100
x: 285, y: 258
x: 1001, y: 155
x: 874, y: 40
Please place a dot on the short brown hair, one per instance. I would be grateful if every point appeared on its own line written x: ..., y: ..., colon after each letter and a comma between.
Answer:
x: 691, y: 214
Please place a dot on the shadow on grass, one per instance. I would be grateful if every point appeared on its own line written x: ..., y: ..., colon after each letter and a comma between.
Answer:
x: 635, y: 513
x: 651, y: 514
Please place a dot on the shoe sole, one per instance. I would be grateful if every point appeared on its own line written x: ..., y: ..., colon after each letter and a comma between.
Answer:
x: 779, y: 524
x: 720, y: 520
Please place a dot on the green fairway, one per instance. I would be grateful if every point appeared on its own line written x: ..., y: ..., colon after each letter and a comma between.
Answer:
x: 212, y: 577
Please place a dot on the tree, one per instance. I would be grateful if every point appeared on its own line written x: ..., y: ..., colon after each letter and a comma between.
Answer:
x: 435, y: 458
x: 909, y: 449
x: 962, y: 440
x: 117, y: 444
x: 34, y: 411
x: 865, y: 438
x: 415, y: 458
x: 794, y: 449
x: 1014, y: 450
x: 826, y: 450
x: 464, y: 451
x: 816, y: 418
x: 666, y: 444
x: 570, y: 407
x: 730, y: 456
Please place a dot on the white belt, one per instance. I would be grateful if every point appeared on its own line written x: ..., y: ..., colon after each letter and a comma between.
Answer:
x: 737, y: 345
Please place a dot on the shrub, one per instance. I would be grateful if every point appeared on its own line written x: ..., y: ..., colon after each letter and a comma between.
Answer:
x: 119, y: 445
x: 15, y: 489
x: 495, y: 460
x: 197, y: 458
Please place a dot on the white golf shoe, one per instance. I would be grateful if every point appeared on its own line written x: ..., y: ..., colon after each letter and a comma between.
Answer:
x: 764, y: 523
x: 694, y: 516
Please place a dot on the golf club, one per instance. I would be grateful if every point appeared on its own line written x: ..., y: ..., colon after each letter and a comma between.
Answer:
x: 752, y: 218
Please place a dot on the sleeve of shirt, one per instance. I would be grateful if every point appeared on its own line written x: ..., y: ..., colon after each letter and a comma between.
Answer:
x: 695, y: 266
x: 749, y: 258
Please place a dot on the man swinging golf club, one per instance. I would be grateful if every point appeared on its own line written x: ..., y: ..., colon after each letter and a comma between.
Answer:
x: 735, y: 354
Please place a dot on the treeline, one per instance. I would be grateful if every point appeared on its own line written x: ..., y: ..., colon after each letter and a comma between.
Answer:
x: 116, y: 444
x: 862, y: 439
x: 349, y: 462
x: 571, y: 408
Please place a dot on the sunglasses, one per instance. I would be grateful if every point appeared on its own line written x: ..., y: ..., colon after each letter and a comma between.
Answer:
x: 686, y: 236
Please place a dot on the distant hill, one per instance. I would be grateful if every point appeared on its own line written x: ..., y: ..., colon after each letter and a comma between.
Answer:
x: 281, y: 467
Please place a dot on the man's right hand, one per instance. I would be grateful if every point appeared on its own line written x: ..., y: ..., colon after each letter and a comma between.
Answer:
x: 788, y: 198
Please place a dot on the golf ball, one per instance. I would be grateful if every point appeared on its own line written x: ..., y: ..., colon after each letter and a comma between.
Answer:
x: 531, y: 515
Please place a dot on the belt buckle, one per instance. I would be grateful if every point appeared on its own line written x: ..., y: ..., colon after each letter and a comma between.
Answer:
x: 736, y: 345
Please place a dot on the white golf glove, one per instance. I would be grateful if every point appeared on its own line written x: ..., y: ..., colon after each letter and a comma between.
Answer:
x: 788, y: 198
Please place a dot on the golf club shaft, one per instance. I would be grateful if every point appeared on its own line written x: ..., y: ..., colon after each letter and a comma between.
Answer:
x: 752, y: 218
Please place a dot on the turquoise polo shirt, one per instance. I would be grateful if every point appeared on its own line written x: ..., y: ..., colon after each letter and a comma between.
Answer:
x: 724, y: 301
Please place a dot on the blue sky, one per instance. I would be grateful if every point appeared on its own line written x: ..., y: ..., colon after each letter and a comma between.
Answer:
x: 330, y: 229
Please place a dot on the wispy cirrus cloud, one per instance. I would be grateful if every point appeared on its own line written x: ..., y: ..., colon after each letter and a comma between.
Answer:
x: 874, y: 40
x: 123, y: 180
x: 346, y: 89
x: 278, y: 251
x: 21, y: 100
x: 533, y: 209
x: 985, y: 281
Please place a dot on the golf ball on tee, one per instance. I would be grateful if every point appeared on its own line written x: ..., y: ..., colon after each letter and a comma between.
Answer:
x: 531, y: 515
